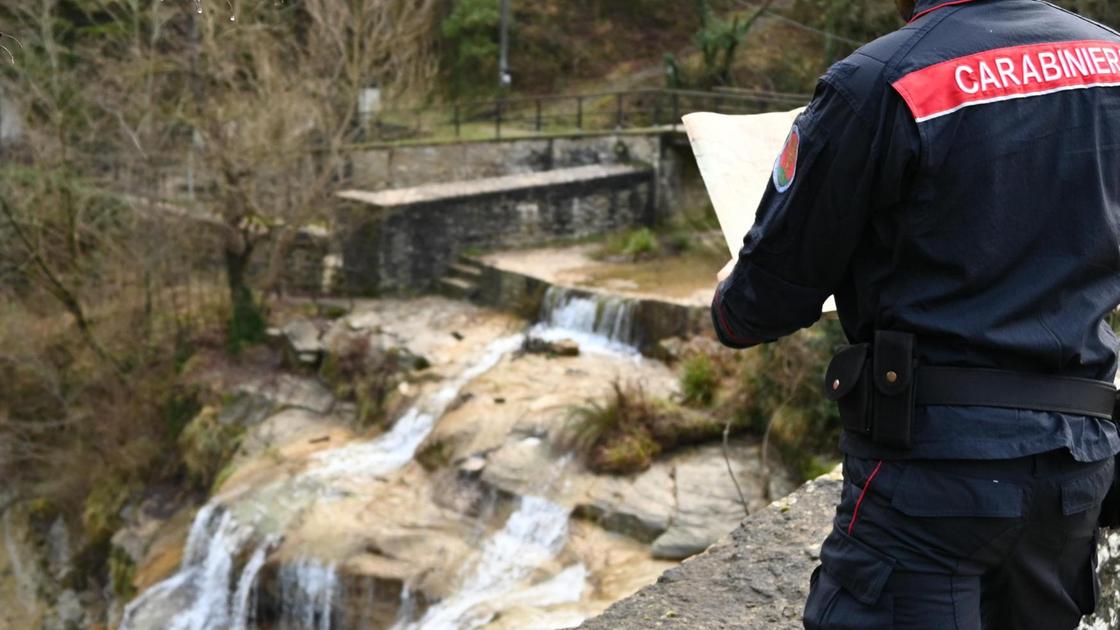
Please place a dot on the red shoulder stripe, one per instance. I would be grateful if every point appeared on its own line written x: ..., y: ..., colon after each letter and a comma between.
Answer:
x: 1009, y: 73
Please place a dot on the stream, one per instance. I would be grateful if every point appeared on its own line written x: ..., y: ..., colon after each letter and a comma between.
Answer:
x: 217, y: 584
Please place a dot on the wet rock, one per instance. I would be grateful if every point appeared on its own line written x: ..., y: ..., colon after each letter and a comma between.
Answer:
x: 560, y: 348
x: 757, y: 577
x: 519, y: 467
x: 640, y: 506
x: 708, y: 505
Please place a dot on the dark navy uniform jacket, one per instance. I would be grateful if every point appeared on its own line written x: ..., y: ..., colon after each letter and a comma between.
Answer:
x: 958, y: 179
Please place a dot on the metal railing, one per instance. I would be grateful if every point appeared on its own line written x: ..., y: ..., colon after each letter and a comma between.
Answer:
x: 568, y: 114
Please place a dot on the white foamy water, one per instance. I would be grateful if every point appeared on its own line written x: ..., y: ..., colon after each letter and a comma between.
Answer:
x: 245, y: 597
x: 203, y: 595
x: 598, y: 323
x: 396, y: 448
x: 535, y: 532
x: 307, y: 593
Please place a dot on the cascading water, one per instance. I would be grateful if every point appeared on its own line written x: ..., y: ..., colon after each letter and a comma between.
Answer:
x: 307, y: 590
x: 599, y: 323
x: 200, y: 596
x: 535, y: 532
x: 396, y: 448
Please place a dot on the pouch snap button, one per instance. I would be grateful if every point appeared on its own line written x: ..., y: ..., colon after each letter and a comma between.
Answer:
x: 892, y: 376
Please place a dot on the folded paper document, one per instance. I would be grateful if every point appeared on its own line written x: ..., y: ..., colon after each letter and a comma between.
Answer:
x: 736, y: 156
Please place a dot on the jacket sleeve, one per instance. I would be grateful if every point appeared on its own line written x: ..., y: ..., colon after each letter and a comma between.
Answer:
x: 819, y: 203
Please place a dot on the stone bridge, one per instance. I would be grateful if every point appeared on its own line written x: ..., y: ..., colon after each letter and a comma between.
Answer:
x: 414, y: 209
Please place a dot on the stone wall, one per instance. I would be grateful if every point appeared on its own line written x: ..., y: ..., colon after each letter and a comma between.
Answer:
x: 405, y: 166
x: 652, y: 320
x: 403, y: 240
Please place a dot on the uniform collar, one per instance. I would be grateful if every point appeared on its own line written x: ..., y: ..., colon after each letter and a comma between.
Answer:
x: 922, y: 7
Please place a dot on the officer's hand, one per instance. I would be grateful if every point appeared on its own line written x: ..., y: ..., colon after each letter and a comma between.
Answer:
x: 727, y: 269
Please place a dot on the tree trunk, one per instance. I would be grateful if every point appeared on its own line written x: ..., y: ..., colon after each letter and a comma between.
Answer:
x: 246, y: 323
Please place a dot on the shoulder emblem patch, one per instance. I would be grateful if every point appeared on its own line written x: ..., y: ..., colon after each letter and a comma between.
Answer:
x: 785, y: 169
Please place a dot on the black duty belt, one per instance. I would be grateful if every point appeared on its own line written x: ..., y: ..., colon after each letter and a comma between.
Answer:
x: 877, y: 387
x: 1013, y: 390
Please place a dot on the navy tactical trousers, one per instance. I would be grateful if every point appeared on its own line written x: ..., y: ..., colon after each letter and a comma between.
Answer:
x: 961, y: 544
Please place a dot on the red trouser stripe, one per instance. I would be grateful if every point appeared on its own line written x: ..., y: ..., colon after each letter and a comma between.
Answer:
x: 859, y: 502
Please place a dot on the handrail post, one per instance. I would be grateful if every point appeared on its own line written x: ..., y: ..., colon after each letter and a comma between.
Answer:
x: 676, y: 109
x: 618, y: 107
x: 498, y: 119
x: 538, y: 115
x: 579, y: 113
x: 656, y: 108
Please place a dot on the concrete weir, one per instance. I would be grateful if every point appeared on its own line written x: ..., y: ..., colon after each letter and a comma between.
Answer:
x: 404, y: 239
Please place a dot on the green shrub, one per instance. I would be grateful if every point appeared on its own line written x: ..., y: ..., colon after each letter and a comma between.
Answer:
x: 640, y: 243
x: 470, y: 34
x: 122, y: 570
x: 207, y: 445
x: 699, y: 381
x: 780, y: 386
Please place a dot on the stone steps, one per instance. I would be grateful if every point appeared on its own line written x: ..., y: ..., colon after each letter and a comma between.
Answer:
x: 462, y: 278
x: 457, y: 288
x: 465, y: 271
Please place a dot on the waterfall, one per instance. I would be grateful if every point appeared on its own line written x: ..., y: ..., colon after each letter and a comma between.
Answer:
x: 202, y: 596
x: 245, y: 598
x: 307, y: 592
x: 599, y: 323
x: 205, y: 578
x: 535, y: 532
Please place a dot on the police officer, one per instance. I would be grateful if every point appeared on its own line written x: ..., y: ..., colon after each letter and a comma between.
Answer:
x: 956, y: 185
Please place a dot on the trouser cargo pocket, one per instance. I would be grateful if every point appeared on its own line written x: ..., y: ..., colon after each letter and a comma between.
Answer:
x: 847, y: 590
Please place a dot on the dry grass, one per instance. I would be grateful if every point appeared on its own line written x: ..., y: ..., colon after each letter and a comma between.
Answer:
x: 629, y: 430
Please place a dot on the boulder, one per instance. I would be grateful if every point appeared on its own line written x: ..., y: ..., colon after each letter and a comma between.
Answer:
x: 708, y: 505
x: 560, y: 348
x: 520, y: 467
x: 757, y: 577
x: 278, y: 392
x: 303, y: 343
x: 640, y: 506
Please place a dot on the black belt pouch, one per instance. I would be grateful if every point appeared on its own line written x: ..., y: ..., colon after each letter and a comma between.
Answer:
x: 873, y: 386
x: 847, y: 382
x: 892, y: 406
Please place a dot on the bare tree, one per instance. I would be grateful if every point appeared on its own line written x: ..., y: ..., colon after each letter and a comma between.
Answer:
x: 273, y: 97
